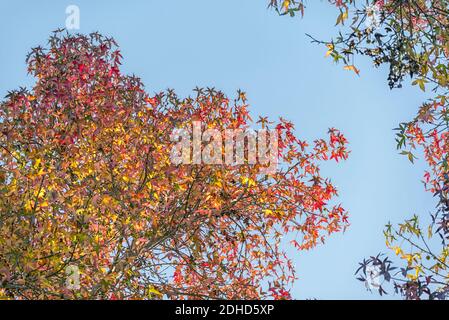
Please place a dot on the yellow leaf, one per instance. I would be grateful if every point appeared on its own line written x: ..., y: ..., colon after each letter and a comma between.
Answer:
x: 29, y: 205
x: 152, y: 290
x: 248, y: 181
x: 106, y: 200
x: 421, y: 83
x: 251, y: 183
x: 352, y: 68
x: 43, y: 204
x: 37, y: 163
x: 342, y: 17
x: 398, y: 250
x: 330, y: 46
x: 40, y: 194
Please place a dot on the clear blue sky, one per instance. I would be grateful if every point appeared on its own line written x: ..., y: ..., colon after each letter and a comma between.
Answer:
x: 236, y: 44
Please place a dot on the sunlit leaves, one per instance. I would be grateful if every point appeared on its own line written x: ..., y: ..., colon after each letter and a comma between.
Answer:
x: 87, y: 180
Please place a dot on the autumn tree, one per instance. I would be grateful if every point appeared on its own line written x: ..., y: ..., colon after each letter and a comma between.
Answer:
x: 412, y: 38
x: 86, y: 180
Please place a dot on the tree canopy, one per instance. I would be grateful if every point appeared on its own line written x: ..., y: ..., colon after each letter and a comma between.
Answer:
x: 87, y: 181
